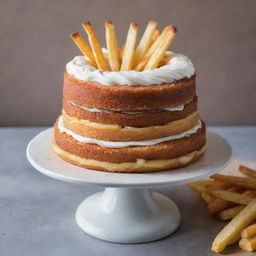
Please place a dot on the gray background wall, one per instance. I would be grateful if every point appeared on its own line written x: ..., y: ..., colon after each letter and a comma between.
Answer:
x: 219, y: 36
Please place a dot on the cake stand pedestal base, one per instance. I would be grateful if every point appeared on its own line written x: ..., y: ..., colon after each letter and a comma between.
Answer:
x: 128, y: 215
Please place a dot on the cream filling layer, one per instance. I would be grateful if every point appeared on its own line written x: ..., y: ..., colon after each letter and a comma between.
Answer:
x: 133, y: 112
x: 141, y: 165
x: 178, y: 67
x: 122, y: 144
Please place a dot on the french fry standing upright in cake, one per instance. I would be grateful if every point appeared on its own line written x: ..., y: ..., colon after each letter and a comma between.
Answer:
x: 145, y: 41
x: 127, y: 61
x: 168, y: 30
x: 155, y: 35
x: 149, y: 54
x: 158, y: 55
x: 96, y: 48
x: 113, y: 52
x: 84, y: 48
x: 121, y: 53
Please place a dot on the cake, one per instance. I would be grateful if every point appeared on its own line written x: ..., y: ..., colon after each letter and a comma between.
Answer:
x: 132, y: 109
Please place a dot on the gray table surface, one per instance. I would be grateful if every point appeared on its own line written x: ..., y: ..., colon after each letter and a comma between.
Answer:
x: 37, y: 213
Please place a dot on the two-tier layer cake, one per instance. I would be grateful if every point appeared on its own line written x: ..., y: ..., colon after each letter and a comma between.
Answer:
x: 132, y: 109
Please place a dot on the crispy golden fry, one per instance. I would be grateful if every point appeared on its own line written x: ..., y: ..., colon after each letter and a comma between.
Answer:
x: 234, y: 227
x: 250, y: 193
x: 232, y: 197
x: 235, y: 239
x: 218, y: 204
x: 247, y: 171
x: 165, y: 59
x: 128, y: 55
x: 145, y: 41
x: 201, y: 185
x: 121, y: 53
x: 208, y: 185
x: 156, y: 34
x: 249, y: 231
x: 208, y: 198
x: 113, y: 54
x: 248, y: 244
x: 140, y: 66
x: 245, y: 182
x: 84, y: 48
x: 218, y: 185
x: 205, y: 182
x: 158, y: 55
x: 230, y: 213
x: 96, y: 48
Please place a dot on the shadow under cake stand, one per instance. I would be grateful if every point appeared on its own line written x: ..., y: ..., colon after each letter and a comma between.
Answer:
x: 127, y: 211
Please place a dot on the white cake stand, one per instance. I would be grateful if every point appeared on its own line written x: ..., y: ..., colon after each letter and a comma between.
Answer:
x: 127, y: 211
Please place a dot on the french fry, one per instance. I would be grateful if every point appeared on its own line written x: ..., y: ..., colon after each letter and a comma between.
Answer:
x: 235, y: 239
x: 250, y: 193
x: 218, y: 204
x: 127, y: 60
x: 141, y: 65
x: 230, y: 213
x: 158, y: 55
x: 83, y: 47
x: 247, y: 171
x: 121, y: 53
x: 249, y: 231
x: 96, y: 48
x: 220, y: 185
x: 234, y: 227
x: 165, y: 59
x: 248, y: 244
x: 201, y: 185
x: 113, y: 54
x: 232, y: 197
x: 145, y: 41
x: 245, y: 182
x: 208, y: 185
x: 156, y: 34
x: 208, y: 198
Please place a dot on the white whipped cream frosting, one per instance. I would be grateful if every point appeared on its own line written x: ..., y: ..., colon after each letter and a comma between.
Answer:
x: 122, y: 144
x: 178, y: 67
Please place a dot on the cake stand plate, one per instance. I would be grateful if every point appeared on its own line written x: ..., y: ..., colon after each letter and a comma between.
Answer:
x: 127, y: 211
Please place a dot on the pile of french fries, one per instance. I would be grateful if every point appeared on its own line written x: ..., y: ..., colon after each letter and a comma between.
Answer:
x: 150, y: 53
x: 232, y: 198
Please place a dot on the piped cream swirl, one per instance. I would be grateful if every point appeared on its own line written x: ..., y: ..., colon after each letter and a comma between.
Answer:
x: 122, y: 144
x: 178, y: 67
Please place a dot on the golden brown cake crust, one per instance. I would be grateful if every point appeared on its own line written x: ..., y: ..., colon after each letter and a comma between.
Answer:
x: 164, y: 150
x: 134, y: 120
x: 140, y: 166
x: 118, y: 97
x: 118, y: 133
